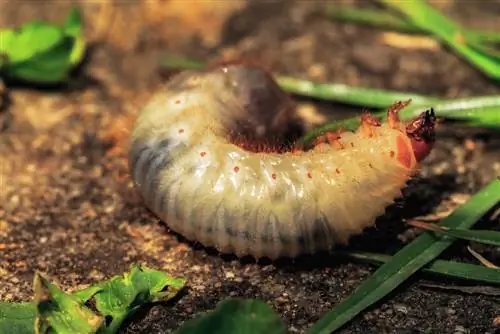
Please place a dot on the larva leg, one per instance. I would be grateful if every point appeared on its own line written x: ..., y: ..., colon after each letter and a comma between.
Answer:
x: 368, y: 124
x: 392, y: 113
x: 330, y: 137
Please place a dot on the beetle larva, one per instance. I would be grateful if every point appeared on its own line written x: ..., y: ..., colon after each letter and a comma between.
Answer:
x: 193, y: 170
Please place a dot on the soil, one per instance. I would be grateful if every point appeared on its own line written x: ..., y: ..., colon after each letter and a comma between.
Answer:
x: 68, y: 209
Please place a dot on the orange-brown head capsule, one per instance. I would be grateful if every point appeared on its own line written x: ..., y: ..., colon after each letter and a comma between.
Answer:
x: 422, y: 134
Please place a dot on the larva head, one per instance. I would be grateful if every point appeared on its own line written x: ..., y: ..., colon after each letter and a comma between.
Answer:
x: 422, y: 135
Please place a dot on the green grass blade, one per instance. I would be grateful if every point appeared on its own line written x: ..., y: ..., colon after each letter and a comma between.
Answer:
x: 407, y: 261
x: 429, y: 19
x: 451, y: 269
x: 480, y: 236
x: 346, y: 94
x: 173, y: 62
x: 486, y: 237
x: 384, y: 19
x: 377, y: 18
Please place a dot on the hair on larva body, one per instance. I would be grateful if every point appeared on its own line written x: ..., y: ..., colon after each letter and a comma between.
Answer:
x: 186, y: 163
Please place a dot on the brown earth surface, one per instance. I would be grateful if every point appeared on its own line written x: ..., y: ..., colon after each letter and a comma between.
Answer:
x: 68, y: 209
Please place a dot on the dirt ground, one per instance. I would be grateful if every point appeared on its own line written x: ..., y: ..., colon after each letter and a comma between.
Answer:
x: 68, y: 210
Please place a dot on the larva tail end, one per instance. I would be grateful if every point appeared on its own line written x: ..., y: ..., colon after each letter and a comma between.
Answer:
x: 422, y: 134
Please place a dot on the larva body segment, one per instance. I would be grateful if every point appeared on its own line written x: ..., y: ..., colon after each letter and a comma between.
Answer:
x: 187, y: 167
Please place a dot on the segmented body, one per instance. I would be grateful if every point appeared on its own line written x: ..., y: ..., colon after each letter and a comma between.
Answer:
x: 186, y: 165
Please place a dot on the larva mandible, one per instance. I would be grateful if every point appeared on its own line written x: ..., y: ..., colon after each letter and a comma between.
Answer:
x: 193, y: 172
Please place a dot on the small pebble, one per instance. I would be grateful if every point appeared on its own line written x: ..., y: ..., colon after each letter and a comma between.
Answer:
x: 460, y: 330
x: 450, y: 311
x: 401, y: 308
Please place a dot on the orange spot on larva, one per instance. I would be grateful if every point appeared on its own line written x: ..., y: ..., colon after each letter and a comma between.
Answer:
x: 177, y: 101
x: 404, y: 152
x: 337, y: 170
x: 181, y: 130
x: 392, y: 154
x: 236, y: 169
x: 309, y: 175
x: 273, y: 176
x: 203, y: 154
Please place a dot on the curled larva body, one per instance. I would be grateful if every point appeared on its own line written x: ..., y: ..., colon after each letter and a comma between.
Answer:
x: 187, y: 167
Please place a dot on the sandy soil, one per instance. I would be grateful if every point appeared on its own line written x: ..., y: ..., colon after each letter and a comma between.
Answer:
x: 67, y: 208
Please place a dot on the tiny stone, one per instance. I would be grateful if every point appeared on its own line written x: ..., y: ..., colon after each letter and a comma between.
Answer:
x: 460, y: 330
x: 401, y: 308
x: 450, y: 311
x: 229, y: 274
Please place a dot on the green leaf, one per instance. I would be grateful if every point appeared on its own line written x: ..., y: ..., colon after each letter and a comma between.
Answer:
x: 407, y: 261
x: 117, y: 298
x: 73, y: 27
x: 17, y: 318
x: 86, y: 294
x: 32, y: 38
x: 61, y: 312
x: 41, y: 52
x: 48, y: 66
x: 122, y: 295
x: 236, y: 316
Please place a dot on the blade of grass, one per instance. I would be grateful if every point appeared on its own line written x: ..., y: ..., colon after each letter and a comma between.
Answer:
x: 452, y: 269
x: 384, y: 19
x: 178, y: 62
x: 427, y: 18
x: 407, y: 261
x: 367, y: 97
x: 480, y: 236
x: 377, y: 18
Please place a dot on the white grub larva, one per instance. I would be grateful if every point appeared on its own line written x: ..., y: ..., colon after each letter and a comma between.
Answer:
x: 202, y: 159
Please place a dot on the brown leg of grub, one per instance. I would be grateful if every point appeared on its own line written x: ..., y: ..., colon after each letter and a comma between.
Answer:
x: 392, y: 112
x: 368, y: 123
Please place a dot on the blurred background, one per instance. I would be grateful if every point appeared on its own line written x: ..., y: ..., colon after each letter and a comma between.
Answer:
x: 68, y: 208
